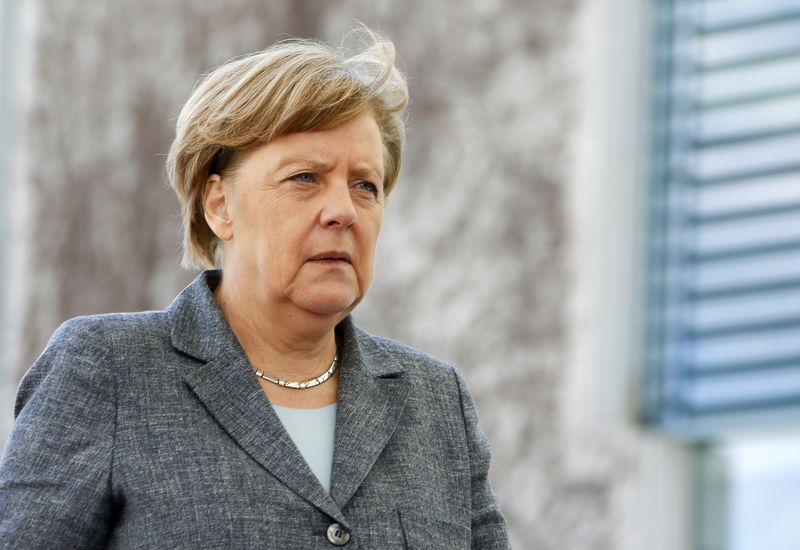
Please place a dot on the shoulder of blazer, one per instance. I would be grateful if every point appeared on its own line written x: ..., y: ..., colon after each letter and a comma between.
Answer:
x: 89, y: 344
x: 113, y: 333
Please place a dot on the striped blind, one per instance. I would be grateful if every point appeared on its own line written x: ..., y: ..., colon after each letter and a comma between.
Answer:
x: 725, y: 315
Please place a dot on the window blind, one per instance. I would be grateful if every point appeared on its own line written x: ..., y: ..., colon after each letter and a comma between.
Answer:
x: 725, y: 218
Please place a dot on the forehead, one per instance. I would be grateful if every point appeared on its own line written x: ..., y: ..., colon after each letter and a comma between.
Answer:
x: 358, y: 139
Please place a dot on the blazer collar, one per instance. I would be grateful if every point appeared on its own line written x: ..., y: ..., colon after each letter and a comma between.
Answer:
x: 198, y: 328
x: 372, y: 394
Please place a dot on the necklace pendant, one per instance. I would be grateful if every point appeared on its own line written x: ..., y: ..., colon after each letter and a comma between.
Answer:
x: 304, y: 384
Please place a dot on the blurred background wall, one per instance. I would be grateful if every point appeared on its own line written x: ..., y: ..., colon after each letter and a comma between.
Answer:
x: 509, y: 247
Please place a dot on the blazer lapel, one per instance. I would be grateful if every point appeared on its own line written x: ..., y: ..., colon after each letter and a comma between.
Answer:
x: 229, y: 390
x: 372, y: 395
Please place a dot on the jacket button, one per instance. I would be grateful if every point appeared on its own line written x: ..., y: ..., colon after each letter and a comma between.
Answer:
x: 337, y: 535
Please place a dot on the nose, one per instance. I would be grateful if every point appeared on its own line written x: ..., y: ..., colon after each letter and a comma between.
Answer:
x: 338, y: 209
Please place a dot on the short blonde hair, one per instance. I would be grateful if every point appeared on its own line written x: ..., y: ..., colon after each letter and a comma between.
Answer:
x: 293, y: 86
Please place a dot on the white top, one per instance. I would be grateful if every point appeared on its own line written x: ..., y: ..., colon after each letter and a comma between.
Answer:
x: 313, y: 432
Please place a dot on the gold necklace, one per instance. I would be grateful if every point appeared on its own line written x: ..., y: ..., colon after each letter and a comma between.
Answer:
x: 301, y: 385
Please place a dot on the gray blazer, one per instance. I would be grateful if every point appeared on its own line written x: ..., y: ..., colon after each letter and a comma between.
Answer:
x: 150, y: 430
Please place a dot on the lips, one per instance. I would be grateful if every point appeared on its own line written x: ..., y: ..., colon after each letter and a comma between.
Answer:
x: 330, y: 256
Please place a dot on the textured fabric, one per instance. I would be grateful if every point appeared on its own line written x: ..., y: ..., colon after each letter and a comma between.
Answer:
x: 149, y: 430
x: 312, y: 431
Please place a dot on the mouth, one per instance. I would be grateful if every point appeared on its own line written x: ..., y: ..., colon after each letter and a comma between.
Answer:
x: 331, y: 256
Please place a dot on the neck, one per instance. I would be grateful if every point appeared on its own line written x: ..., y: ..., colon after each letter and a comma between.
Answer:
x: 279, y: 339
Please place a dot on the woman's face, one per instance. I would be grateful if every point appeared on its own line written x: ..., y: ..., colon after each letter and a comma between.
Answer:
x: 299, y: 218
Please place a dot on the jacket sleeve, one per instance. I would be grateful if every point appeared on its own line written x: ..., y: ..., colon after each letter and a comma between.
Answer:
x: 489, y: 529
x: 55, y: 472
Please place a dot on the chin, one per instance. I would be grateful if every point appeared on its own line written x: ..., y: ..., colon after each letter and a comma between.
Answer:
x: 329, y: 303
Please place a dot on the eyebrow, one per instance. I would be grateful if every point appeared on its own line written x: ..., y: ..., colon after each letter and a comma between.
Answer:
x: 314, y: 164
x: 368, y: 172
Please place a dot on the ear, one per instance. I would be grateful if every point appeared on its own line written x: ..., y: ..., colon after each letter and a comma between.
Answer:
x: 216, y: 205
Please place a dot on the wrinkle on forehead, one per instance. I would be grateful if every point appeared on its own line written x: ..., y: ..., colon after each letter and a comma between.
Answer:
x: 357, y: 143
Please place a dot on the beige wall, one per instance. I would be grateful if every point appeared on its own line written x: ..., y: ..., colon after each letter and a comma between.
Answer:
x: 490, y: 256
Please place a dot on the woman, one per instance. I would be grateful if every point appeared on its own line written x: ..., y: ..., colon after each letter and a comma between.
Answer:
x: 252, y: 412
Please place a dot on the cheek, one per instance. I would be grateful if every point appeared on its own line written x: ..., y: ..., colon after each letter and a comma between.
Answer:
x: 369, y: 243
x: 370, y: 232
x: 375, y: 221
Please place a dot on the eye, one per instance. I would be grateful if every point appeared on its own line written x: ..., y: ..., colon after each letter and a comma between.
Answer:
x: 368, y: 186
x: 304, y: 177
